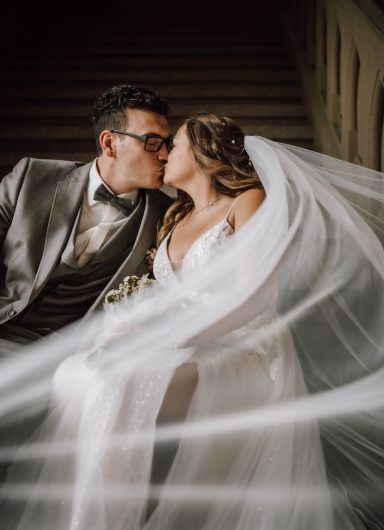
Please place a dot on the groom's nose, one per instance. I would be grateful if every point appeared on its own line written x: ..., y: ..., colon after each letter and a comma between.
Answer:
x: 163, y: 153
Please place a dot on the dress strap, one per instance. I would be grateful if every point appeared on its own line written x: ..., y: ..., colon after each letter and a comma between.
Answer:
x: 232, y: 205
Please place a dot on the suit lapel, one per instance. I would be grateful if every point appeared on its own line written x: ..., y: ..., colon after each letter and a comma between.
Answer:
x: 66, y: 204
x: 145, y: 237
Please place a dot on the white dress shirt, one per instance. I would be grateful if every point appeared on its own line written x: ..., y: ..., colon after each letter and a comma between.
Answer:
x: 98, y: 220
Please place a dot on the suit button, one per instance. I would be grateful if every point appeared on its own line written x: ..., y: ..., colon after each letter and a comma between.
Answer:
x: 12, y: 313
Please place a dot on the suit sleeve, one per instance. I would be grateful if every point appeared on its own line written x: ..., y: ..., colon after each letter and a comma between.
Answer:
x: 9, y: 191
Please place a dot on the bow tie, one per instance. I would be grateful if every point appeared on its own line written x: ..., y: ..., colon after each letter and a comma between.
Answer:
x: 102, y: 194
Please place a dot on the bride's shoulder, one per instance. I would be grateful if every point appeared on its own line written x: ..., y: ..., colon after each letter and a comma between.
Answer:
x: 245, y: 206
x: 251, y: 196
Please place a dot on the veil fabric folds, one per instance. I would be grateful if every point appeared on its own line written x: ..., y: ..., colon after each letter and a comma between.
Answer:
x: 282, y: 339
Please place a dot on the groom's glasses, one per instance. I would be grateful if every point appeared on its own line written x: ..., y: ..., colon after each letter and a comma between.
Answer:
x: 151, y: 142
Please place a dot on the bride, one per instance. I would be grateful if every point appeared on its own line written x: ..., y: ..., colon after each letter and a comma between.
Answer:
x: 243, y: 391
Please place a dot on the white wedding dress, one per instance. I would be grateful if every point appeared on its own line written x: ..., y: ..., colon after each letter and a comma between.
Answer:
x: 264, y: 479
x: 249, y: 455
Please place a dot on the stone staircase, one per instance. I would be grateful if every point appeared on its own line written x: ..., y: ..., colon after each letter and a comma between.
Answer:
x: 51, y: 80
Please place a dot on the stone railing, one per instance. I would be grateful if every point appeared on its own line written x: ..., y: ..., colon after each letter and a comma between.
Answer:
x: 339, y: 51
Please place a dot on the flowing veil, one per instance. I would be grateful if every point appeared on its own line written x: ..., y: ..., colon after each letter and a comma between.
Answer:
x: 286, y: 423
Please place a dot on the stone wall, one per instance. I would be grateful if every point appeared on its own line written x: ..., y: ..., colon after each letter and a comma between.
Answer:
x: 339, y: 51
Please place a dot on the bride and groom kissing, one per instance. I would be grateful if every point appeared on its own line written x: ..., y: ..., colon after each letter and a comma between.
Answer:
x: 71, y: 231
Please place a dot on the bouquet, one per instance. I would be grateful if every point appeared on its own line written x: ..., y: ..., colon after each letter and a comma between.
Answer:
x: 131, y: 285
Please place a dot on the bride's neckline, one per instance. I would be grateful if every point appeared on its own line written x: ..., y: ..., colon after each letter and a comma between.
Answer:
x: 181, y: 261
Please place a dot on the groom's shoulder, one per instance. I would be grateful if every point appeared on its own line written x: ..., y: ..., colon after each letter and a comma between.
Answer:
x: 32, y: 172
x: 37, y: 171
x: 49, y: 167
x: 46, y: 166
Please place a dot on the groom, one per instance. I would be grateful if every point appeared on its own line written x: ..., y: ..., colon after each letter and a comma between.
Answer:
x: 71, y: 231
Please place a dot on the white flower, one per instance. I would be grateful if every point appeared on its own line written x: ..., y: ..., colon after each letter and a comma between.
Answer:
x: 130, y: 285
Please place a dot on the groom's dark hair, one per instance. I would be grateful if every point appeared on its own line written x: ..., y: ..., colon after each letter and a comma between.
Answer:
x: 109, y: 109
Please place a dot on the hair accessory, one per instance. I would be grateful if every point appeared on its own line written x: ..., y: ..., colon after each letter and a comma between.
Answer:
x: 233, y: 142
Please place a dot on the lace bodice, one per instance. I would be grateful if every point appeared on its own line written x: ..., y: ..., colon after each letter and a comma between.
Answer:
x: 196, y: 256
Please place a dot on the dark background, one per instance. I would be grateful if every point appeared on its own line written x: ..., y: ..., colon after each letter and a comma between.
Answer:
x: 33, y: 17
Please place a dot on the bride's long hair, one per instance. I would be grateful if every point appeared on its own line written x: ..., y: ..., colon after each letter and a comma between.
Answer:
x: 217, y: 146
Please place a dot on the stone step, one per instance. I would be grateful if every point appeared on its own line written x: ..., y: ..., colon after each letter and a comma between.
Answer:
x: 48, y: 145
x: 14, y: 73
x: 87, y: 36
x: 149, y: 61
x: 11, y: 135
x: 181, y: 90
x: 135, y: 48
x: 179, y: 108
x: 84, y: 121
x: 264, y: 44
x: 9, y: 159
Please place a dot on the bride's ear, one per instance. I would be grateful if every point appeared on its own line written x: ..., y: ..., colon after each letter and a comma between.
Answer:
x: 107, y: 140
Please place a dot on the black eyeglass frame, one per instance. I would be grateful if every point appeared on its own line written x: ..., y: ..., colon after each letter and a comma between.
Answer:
x: 145, y: 137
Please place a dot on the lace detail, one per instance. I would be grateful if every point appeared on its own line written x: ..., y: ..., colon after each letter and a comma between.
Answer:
x: 196, y: 256
x: 267, y: 351
x: 270, y: 350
